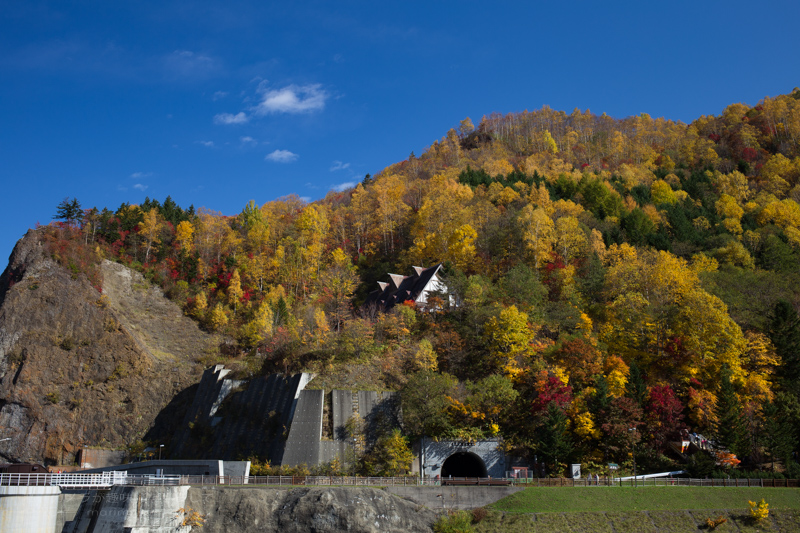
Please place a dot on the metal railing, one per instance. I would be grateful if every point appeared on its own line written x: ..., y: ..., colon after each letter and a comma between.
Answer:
x: 654, y: 482
x: 114, y: 478
x: 73, y: 480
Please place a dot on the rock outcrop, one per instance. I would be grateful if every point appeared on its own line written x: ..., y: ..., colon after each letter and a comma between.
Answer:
x: 80, y: 368
x: 247, y: 509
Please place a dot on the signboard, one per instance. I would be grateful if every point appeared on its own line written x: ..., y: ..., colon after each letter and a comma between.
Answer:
x: 613, y: 466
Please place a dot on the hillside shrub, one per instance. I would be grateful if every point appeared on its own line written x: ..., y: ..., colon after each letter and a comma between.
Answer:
x: 454, y: 522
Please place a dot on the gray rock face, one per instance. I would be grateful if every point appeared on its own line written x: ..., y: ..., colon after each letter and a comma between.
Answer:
x: 240, y: 510
x: 81, y: 368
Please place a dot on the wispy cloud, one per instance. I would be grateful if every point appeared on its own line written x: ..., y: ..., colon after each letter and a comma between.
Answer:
x: 292, y: 99
x: 219, y: 95
x: 282, y: 156
x: 229, y: 118
x: 207, y: 144
x: 248, y: 140
x: 338, y: 165
x: 140, y: 187
x: 140, y: 175
x: 344, y: 186
x: 183, y: 64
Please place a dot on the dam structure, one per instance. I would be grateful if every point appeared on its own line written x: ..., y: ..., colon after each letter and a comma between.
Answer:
x: 277, y: 418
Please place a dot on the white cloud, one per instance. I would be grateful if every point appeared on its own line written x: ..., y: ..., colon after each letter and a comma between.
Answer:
x: 344, y: 186
x: 140, y: 187
x: 219, y: 95
x: 229, y: 118
x: 248, y: 140
x: 207, y: 144
x: 292, y: 99
x: 338, y: 165
x: 282, y: 156
x: 140, y: 175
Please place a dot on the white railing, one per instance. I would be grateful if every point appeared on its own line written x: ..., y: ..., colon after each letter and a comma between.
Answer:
x: 77, y: 480
x: 114, y: 478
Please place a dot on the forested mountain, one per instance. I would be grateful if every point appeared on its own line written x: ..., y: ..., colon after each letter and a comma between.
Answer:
x: 604, y: 275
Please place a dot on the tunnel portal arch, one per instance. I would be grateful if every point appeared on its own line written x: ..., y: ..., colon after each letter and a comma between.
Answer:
x: 464, y: 464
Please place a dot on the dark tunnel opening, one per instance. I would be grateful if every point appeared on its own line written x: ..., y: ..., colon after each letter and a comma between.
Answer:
x: 463, y: 464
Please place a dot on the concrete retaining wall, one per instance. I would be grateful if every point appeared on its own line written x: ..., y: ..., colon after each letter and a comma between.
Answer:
x: 303, y: 444
x: 28, y: 509
x: 438, y: 498
x: 69, y: 504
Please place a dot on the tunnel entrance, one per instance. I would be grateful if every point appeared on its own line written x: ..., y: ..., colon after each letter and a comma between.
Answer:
x: 464, y: 464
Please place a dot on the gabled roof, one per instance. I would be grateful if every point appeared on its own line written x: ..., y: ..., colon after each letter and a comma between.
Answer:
x: 402, y: 288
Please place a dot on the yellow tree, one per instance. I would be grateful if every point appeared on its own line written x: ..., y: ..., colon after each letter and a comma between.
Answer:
x: 150, y: 229
x: 731, y: 213
x: 437, y: 224
x: 391, y: 209
x: 509, y: 337
x: 662, y: 193
x: 184, y: 234
x: 217, y: 319
x: 660, y: 317
x: 337, y: 283
x: 549, y: 143
x: 260, y: 327
x: 570, y: 239
x: 362, y: 212
x: 256, y: 228
x: 235, y: 291
x: 425, y: 357
x: 461, y: 247
x: 314, y: 227
x: 538, y: 231
x: 210, y: 231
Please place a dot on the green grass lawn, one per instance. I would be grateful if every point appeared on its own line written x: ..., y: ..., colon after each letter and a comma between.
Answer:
x: 641, y: 510
x: 621, y: 499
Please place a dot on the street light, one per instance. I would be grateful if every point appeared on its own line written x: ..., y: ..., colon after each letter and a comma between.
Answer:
x: 7, y: 438
x: 355, y: 455
x: 159, y: 451
x: 633, y: 454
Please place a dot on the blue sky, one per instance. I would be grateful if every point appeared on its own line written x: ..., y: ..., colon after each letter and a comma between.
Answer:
x: 216, y: 103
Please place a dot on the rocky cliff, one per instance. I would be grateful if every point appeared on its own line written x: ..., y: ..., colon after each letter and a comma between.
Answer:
x: 81, y: 368
x: 247, y: 509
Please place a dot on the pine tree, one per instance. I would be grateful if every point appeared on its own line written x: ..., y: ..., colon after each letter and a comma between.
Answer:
x: 636, y: 388
x: 778, y: 433
x: 784, y: 332
x: 554, y: 444
x: 69, y: 211
x: 730, y: 429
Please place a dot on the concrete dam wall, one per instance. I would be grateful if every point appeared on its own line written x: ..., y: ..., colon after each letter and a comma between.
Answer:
x: 229, y: 419
x: 275, y: 418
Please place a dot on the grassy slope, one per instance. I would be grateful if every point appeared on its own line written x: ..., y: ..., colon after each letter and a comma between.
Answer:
x: 619, y: 499
x: 654, y: 509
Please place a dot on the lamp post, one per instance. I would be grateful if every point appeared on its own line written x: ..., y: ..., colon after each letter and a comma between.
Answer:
x: 353, y: 466
x: 633, y: 454
x: 159, y: 451
x: 7, y: 438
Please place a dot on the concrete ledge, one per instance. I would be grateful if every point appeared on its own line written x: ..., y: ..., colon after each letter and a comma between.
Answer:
x: 441, y: 498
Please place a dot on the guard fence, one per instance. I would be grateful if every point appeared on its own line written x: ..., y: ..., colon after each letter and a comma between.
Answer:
x: 109, y: 479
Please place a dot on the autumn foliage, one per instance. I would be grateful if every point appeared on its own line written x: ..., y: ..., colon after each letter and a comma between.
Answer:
x: 602, y: 273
